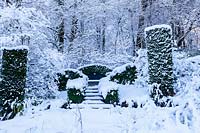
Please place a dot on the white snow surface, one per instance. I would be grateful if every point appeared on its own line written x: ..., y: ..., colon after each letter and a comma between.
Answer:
x: 127, y: 93
x: 73, y: 70
x: 79, y: 83
x: 16, y: 47
x: 94, y: 64
x: 121, y: 69
x: 158, y: 26
x: 149, y: 119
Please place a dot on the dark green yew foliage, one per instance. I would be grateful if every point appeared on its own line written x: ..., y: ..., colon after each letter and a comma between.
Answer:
x: 126, y: 77
x: 159, y: 43
x: 112, y: 97
x: 95, y: 71
x: 12, y: 86
x: 75, y: 95
x: 63, y: 78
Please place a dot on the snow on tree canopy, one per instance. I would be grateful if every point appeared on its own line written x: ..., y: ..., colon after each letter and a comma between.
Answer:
x: 159, y: 44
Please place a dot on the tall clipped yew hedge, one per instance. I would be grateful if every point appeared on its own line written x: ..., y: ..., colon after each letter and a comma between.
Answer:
x: 12, y: 86
x: 159, y: 43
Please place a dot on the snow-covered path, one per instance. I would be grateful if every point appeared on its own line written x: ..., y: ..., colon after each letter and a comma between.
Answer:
x: 57, y: 120
x: 149, y: 119
x: 65, y: 121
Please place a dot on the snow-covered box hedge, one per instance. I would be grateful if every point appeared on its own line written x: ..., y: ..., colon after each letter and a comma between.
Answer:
x: 125, y: 74
x: 74, y: 82
x: 71, y: 78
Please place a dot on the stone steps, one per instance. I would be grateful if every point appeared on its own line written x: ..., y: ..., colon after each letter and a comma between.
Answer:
x: 92, y: 95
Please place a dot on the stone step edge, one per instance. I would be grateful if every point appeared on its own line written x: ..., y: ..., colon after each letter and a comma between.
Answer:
x: 93, y: 80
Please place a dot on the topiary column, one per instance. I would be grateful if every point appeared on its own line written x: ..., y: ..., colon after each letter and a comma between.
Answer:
x: 12, y: 86
x: 159, y: 43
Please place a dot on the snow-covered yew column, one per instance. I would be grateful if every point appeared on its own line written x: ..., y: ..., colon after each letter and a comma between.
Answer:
x: 159, y: 43
x: 13, y: 75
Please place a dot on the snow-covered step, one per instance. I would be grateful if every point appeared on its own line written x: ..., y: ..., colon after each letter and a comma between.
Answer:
x: 92, y: 87
x: 92, y: 91
x: 92, y: 95
x: 93, y: 102
x: 93, y: 98
x: 91, y: 106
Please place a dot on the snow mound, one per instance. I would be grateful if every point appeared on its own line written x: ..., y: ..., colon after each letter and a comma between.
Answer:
x: 79, y: 83
x: 157, y: 26
x: 72, y: 70
x: 121, y: 69
x: 16, y: 47
x: 94, y: 64
x: 105, y: 86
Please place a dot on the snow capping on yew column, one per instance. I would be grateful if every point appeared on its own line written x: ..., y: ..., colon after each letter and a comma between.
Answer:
x: 159, y: 44
x: 12, y: 85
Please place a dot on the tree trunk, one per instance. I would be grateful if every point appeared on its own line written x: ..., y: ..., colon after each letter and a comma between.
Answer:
x: 140, y: 35
x: 141, y: 23
x: 61, y: 29
x: 103, y: 37
x: 74, y: 28
x: 61, y: 34
x: 132, y: 33
x: 177, y: 28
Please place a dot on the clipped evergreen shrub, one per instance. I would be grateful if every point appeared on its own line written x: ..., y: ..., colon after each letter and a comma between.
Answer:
x: 159, y: 43
x: 75, y: 95
x: 112, y: 97
x: 12, y: 86
x: 128, y: 76
x: 63, y: 78
x: 95, y: 71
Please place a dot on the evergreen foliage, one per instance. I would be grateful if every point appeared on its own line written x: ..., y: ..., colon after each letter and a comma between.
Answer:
x: 63, y: 78
x: 112, y: 97
x: 12, y: 86
x: 126, y: 77
x: 95, y: 71
x: 75, y: 95
x: 159, y: 42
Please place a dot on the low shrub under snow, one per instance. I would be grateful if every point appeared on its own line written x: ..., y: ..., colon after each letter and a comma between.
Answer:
x: 125, y: 74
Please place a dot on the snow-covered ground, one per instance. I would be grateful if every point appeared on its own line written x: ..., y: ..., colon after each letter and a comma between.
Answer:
x: 149, y: 119
x: 183, y: 117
